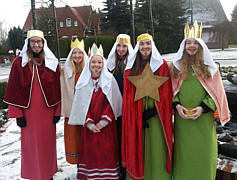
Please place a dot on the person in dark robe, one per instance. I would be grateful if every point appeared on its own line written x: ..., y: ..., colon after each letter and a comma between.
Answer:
x: 33, y: 97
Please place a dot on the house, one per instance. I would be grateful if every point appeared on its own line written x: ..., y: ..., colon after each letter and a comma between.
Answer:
x: 211, y: 14
x: 71, y: 21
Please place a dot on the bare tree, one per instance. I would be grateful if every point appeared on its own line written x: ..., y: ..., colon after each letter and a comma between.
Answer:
x: 3, y: 33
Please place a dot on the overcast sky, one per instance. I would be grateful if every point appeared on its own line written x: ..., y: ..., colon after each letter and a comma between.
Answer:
x: 14, y: 12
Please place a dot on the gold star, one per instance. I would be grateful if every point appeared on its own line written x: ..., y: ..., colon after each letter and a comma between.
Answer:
x: 147, y: 84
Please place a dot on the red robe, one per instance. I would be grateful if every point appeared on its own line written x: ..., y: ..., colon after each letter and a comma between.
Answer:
x: 38, y: 138
x: 132, y: 130
x: 99, y: 151
x: 18, y: 92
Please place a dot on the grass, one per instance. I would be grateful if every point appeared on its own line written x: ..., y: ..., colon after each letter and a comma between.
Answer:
x: 232, y: 46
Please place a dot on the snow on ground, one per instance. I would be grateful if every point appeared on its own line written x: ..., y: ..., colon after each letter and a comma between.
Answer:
x: 227, y: 57
x: 10, y: 154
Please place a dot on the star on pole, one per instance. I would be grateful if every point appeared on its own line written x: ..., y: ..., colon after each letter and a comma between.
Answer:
x: 147, y: 84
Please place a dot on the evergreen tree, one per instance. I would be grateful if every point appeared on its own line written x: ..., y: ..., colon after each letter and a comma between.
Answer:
x: 233, y: 26
x: 169, y: 19
x: 116, y: 16
x: 234, y: 14
x: 141, y: 13
x: 15, y: 38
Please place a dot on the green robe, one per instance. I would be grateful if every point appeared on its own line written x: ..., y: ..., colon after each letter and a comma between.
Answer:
x: 155, y: 149
x: 195, y: 141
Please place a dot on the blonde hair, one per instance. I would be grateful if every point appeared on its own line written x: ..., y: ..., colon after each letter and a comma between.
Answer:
x: 185, y: 64
x: 77, y: 68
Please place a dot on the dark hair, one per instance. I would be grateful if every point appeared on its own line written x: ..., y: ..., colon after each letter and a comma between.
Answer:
x: 117, y: 61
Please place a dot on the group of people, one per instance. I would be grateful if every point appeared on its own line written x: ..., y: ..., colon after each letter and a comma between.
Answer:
x: 118, y: 112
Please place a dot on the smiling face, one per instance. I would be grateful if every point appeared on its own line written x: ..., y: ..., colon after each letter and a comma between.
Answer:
x: 122, y: 49
x: 96, y: 65
x: 77, y: 55
x: 191, y: 46
x: 36, y: 44
x: 145, y: 48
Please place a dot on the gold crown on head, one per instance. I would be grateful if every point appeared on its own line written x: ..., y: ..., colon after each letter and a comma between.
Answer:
x: 32, y: 33
x: 77, y: 43
x: 193, y: 31
x: 94, y: 50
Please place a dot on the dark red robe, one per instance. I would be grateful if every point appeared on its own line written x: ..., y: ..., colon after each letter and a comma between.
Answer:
x: 132, y: 130
x: 99, y: 151
x: 18, y: 92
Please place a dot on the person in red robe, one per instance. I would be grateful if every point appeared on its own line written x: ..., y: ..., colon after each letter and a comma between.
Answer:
x: 147, y: 123
x: 33, y: 97
x: 96, y: 105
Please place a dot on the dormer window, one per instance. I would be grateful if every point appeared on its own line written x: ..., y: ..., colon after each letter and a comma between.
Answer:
x: 75, y: 23
x: 61, y: 24
x: 68, y: 22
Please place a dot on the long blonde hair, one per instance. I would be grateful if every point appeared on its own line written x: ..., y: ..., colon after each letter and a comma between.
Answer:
x: 77, y: 68
x: 184, y: 66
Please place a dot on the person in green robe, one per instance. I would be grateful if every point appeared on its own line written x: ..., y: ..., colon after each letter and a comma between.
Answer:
x: 146, y: 122
x: 197, y: 93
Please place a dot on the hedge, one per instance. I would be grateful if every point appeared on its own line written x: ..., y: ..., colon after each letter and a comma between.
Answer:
x: 3, y: 86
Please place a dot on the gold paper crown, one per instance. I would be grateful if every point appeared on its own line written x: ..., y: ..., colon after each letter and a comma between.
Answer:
x: 193, y: 31
x: 144, y: 36
x: 77, y: 43
x: 32, y: 33
x: 94, y: 50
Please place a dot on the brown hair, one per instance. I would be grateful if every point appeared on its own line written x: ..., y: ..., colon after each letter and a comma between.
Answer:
x: 185, y: 64
x: 117, y: 60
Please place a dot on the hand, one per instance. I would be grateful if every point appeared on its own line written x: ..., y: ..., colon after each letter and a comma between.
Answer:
x: 181, y: 110
x: 21, y: 122
x: 99, y: 126
x: 198, y: 111
x: 56, y: 119
x: 95, y: 129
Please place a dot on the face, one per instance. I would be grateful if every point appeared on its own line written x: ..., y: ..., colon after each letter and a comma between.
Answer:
x: 122, y: 49
x: 96, y: 65
x: 36, y: 44
x: 77, y: 55
x: 191, y: 46
x: 145, y: 47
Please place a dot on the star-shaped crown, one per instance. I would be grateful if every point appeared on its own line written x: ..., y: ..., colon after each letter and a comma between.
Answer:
x: 193, y: 31
x: 77, y: 43
x: 94, y: 50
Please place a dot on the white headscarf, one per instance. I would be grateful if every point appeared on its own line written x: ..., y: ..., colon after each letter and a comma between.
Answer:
x: 67, y: 65
x: 155, y: 61
x: 51, y: 61
x: 208, y: 60
x: 84, y: 90
x: 111, y: 58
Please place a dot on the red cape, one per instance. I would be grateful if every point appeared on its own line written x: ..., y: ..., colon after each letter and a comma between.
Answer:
x: 18, y: 92
x: 132, y: 146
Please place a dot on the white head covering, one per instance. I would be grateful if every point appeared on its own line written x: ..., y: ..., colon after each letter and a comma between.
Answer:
x: 208, y: 60
x: 111, y: 58
x: 156, y: 60
x: 51, y: 61
x: 84, y: 90
x: 67, y: 65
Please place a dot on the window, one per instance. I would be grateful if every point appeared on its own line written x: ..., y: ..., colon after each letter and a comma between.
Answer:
x: 74, y: 37
x: 68, y: 22
x: 61, y: 24
x: 75, y: 23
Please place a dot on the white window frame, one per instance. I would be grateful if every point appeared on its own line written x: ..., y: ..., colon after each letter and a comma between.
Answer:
x: 68, y: 22
x: 61, y: 24
x: 75, y: 23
